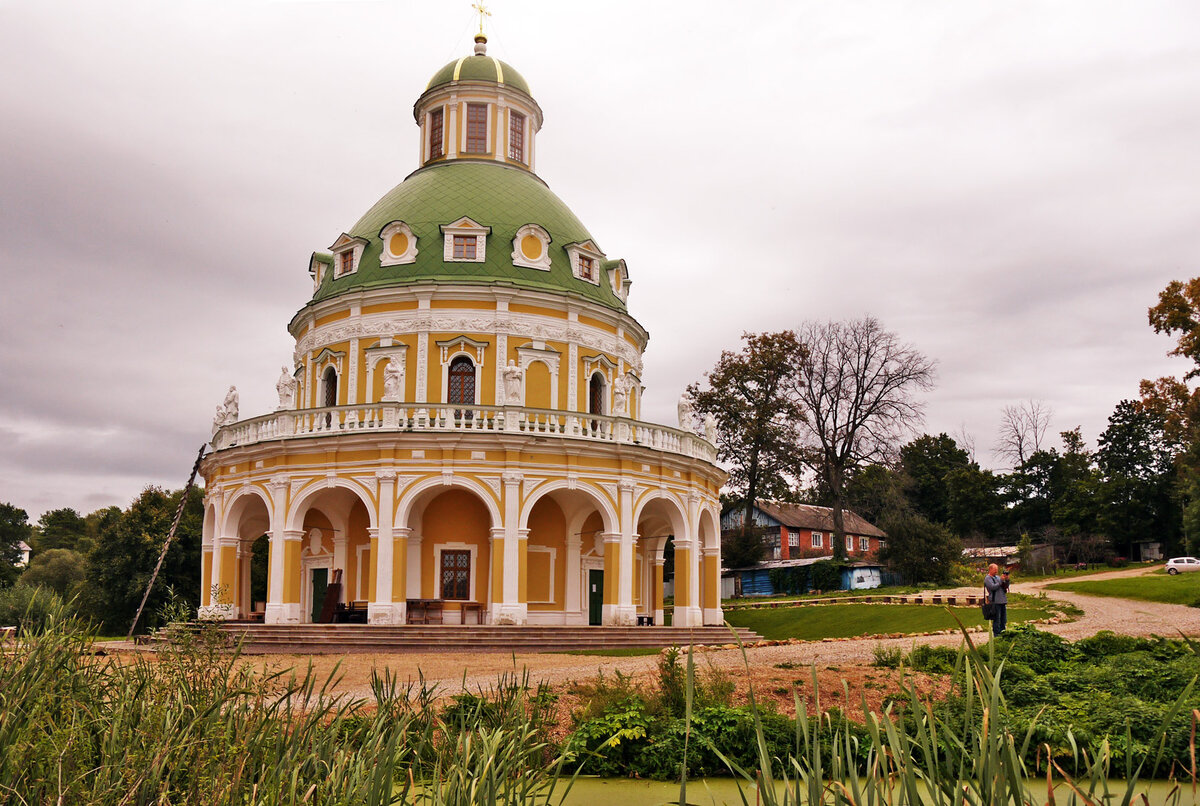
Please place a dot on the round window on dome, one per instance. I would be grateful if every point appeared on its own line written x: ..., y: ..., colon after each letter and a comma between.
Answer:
x: 399, y: 244
x: 531, y: 248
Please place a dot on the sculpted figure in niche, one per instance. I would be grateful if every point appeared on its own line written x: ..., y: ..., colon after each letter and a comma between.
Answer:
x: 286, y: 387
x: 710, y: 428
x: 393, y: 380
x: 514, y: 378
x: 621, y: 396
x: 687, y: 414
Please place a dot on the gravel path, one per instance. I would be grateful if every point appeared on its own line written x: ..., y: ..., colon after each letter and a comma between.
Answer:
x: 448, y: 670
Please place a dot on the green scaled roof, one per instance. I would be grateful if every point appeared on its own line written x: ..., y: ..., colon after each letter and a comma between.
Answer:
x: 480, y: 68
x: 490, y: 194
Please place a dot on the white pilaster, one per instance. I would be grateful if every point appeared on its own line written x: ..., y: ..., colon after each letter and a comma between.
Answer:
x: 625, y: 612
x: 512, y: 610
x: 713, y: 615
x: 381, y: 609
x: 572, y: 602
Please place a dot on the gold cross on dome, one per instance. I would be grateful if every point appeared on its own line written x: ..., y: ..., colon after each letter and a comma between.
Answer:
x: 483, y: 12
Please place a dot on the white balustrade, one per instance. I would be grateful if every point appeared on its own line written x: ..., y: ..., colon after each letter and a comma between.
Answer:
x: 400, y: 417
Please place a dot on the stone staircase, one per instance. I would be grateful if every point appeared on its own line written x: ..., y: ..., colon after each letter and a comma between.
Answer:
x: 319, y: 639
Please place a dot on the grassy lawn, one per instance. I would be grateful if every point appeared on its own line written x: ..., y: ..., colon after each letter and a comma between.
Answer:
x: 893, y: 590
x: 1183, y: 589
x: 847, y: 620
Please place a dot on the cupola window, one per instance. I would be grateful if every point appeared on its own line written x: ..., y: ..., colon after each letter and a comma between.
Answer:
x: 465, y: 241
x: 399, y: 244
x: 435, y: 134
x: 477, y: 115
x: 347, y: 252
x: 585, y: 261
x: 516, y: 136
x: 531, y: 248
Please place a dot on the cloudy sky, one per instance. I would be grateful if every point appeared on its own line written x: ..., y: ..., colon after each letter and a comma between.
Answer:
x: 1007, y: 185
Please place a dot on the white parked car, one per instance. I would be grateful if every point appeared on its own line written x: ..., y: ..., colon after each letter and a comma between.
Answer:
x: 1177, y: 564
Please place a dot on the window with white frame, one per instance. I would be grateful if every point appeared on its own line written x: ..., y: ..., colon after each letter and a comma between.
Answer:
x: 465, y: 241
x: 436, y: 118
x: 531, y: 248
x: 849, y: 542
x: 794, y: 540
x: 585, y: 261
x: 347, y: 252
x: 864, y: 544
x: 477, y: 116
x: 818, y: 540
x: 516, y: 136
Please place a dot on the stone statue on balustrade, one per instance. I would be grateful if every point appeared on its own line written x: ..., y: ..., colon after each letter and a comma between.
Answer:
x: 710, y: 428
x: 687, y: 413
x: 393, y: 381
x: 286, y: 387
x: 514, y: 381
x: 621, y: 396
x: 227, y: 414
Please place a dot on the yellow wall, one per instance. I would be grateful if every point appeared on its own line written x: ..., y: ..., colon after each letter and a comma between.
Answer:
x: 291, y: 572
x: 547, y: 529
x: 229, y: 575
x: 537, y: 386
x: 711, y: 583
x: 455, y: 516
x: 357, y: 535
x: 612, y: 553
x: 683, y: 559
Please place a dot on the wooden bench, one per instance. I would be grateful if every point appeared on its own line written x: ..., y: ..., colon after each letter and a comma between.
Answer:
x: 424, y: 611
x: 472, y: 607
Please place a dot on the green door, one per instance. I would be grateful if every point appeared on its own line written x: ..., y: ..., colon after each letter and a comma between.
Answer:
x: 595, y: 597
x: 320, y: 581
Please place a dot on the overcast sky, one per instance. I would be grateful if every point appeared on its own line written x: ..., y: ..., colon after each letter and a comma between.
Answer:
x: 1007, y: 185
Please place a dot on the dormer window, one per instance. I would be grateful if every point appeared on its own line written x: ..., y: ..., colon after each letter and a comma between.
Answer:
x: 318, y: 266
x: 436, y: 118
x: 347, y: 252
x: 531, y: 248
x: 585, y: 261
x: 477, y: 115
x: 399, y: 244
x: 516, y: 136
x: 465, y: 241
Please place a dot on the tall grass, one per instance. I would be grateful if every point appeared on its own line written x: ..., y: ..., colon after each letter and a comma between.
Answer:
x: 916, y: 754
x: 196, y: 726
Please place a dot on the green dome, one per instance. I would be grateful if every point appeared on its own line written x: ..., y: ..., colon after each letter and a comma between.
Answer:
x: 491, y: 194
x: 480, y: 68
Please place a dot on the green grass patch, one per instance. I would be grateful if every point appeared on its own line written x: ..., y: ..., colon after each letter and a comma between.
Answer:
x: 629, y: 652
x: 849, y: 620
x: 1181, y: 589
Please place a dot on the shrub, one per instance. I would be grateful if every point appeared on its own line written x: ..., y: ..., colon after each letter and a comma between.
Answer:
x: 886, y: 657
x: 933, y: 659
x: 826, y: 575
x: 28, y: 607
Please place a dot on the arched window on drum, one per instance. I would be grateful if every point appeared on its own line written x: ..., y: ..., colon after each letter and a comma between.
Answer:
x: 460, y: 387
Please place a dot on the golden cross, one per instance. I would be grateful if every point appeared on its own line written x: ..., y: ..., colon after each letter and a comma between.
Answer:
x: 483, y: 12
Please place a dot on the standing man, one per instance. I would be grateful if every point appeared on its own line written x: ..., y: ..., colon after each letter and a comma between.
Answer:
x: 996, y: 590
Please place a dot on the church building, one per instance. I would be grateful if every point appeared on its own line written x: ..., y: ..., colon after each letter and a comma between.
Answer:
x: 461, y: 422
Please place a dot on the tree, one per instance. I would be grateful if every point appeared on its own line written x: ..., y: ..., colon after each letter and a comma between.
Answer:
x: 14, y: 530
x: 61, y: 529
x: 919, y: 551
x: 1178, y: 312
x: 60, y: 570
x: 747, y: 393
x: 927, y: 461
x: 1137, y: 466
x: 1022, y: 430
x: 855, y: 389
x: 120, y: 565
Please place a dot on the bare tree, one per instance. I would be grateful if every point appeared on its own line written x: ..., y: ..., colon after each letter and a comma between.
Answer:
x: 1022, y: 430
x: 856, y: 385
x: 965, y: 440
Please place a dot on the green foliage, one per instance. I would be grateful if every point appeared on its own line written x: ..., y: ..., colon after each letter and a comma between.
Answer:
x: 62, y: 529
x: 60, y: 570
x: 790, y: 581
x: 920, y: 551
x: 14, y: 529
x: 932, y: 659
x: 826, y: 575
x: 126, y: 551
x: 741, y: 548
x: 814, y: 622
x: 886, y: 657
x: 28, y: 607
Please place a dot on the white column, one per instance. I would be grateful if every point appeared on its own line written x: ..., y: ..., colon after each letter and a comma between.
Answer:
x: 572, y: 604
x: 625, y: 613
x: 243, y: 555
x: 381, y: 609
x: 451, y: 136
x: 352, y: 375
x: 512, y: 610
x: 712, y: 615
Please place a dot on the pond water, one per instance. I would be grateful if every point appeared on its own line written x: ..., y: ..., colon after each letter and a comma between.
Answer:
x: 724, y: 792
